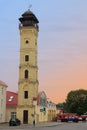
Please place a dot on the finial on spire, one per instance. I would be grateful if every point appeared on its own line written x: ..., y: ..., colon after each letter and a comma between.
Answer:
x: 30, y: 6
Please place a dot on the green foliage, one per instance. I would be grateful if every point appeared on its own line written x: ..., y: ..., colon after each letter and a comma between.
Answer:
x: 32, y: 115
x: 76, y: 101
x: 62, y: 106
x: 59, y: 105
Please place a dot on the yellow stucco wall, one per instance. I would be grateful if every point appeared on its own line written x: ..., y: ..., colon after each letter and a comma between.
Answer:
x: 8, y: 112
x: 41, y: 116
x: 30, y: 112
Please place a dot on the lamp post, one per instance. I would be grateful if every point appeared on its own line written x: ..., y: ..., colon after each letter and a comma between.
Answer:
x: 34, y: 103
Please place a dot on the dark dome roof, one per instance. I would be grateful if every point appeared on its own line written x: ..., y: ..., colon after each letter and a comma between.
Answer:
x: 27, y: 13
x: 28, y: 19
x: 29, y: 16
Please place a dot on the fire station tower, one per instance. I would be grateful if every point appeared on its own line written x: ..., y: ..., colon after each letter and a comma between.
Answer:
x: 28, y: 68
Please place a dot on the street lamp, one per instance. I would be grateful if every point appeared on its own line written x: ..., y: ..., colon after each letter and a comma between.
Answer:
x: 35, y: 104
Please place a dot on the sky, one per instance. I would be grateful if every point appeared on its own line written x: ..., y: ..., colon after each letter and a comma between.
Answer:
x: 62, y: 45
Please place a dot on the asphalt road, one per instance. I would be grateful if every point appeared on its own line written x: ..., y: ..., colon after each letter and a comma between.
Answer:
x: 66, y: 126
x: 49, y: 126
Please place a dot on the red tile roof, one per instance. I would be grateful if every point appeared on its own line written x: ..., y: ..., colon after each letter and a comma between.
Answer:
x: 11, y: 99
x: 3, y: 83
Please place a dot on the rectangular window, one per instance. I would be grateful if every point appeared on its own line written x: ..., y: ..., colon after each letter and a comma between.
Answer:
x: 25, y: 94
x: 26, y: 58
x: 1, y: 103
x: 2, y: 91
x: 13, y: 115
x: 1, y: 117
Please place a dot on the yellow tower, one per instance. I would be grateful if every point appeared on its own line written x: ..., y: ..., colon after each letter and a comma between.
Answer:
x: 28, y: 69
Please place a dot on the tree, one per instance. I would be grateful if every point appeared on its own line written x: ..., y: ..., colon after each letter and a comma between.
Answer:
x: 59, y: 105
x: 62, y: 106
x: 76, y: 101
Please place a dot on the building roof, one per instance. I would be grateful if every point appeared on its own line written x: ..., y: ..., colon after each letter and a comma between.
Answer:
x: 27, y: 13
x: 11, y: 99
x: 3, y: 83
x: 38, y: 96
x: 27, y: 18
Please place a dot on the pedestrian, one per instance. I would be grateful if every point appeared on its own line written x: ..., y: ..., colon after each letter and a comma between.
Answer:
x: 34, y: 123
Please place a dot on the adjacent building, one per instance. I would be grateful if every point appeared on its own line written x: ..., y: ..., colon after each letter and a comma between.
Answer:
x: 52, y: 111
x: 3, y: 88
x: 43, y: 110
x: 11, y: 105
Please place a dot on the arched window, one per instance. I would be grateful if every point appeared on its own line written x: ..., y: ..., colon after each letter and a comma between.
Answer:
x: 25, y: 94
x: 26, y: 74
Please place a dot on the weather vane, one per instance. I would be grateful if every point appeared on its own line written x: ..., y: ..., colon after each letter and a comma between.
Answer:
x: 30, y: 6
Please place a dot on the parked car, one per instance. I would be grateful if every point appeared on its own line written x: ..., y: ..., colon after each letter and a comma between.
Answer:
x: 66, y: 117
x: 14, y: 122
x: 84, y: 117
x: 76, y: 119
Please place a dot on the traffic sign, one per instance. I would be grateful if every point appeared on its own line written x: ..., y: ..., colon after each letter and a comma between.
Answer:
x: 41, y: 110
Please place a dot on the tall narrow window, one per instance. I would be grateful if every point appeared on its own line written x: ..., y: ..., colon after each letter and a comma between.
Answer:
x: 1, y: 102
x: 2, y: 91
x: 35, y: 43
x: 26, y: 57
x: 25, y: 94
x: 26, y: 74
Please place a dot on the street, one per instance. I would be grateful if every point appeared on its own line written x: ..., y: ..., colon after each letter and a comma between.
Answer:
x: 66, y: 126
x: 49, y: 126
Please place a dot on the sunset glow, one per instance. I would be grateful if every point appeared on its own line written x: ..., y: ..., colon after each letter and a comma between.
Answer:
x: 62, y: 45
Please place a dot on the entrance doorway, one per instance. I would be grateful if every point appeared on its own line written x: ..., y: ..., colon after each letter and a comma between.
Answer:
x: 25, y: 116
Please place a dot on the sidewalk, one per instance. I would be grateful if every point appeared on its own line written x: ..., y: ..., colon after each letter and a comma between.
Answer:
x: 48, y: 124
x: 27, y: 126
x: 45, y: 124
